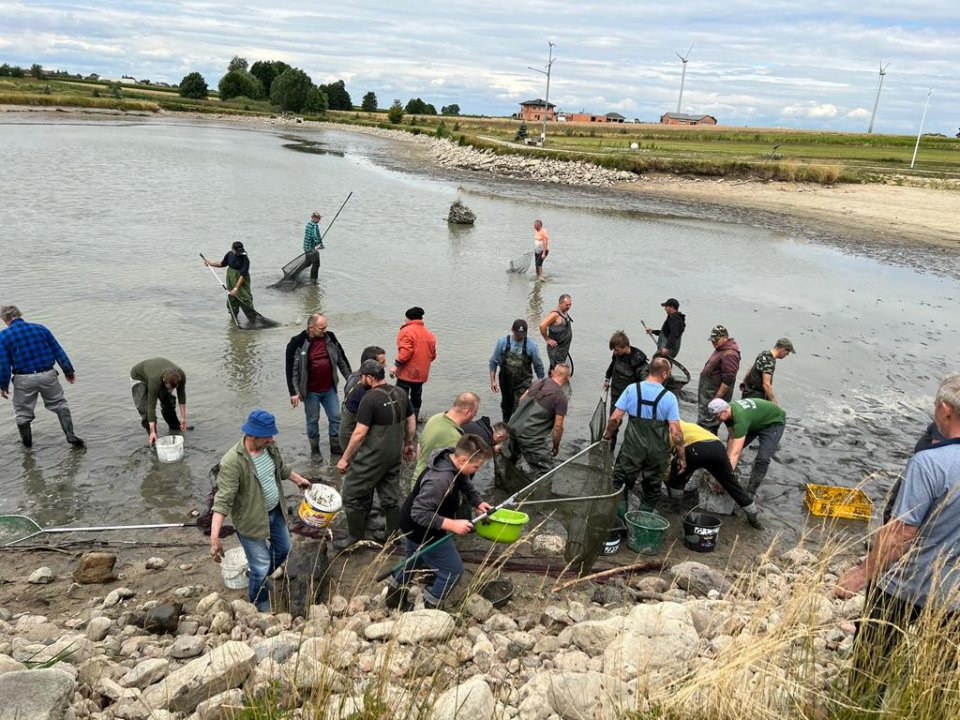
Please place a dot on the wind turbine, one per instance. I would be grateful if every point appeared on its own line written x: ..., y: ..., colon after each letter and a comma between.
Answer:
x: 683, y: 76
x: 873, y: 116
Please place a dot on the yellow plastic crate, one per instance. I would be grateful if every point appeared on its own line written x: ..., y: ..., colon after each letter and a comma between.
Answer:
x: 838, y: 502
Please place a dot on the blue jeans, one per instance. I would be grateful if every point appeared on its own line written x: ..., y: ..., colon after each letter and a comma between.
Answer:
x: 331, y: 408
x: 443, y: 558
x: 265, y: 556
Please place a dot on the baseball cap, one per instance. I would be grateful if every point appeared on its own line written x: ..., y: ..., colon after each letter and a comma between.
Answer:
x: 786, y: 344
x: 718, y: 331
x: 671, y: 302
x: 414, y: 313
x: 519, y: 326
x: 372, y: 368
x: 715, y: 407
x: 260, y: 424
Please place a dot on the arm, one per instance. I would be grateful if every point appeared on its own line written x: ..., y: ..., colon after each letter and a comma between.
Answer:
x: 153, y: 393
x: 495, y: 363
x: 557, y: 433
x: 893, y: 541
x: 734, y: 448
x: 547, y: 322
x: 670, y: 342
x: 404, y: 348
x: 299, y: 480
x: 62, y: 360
x: 216, y: 547
x: 609, y: 373
x: 240, y: 281
x: 768, y: 388
x: 4, y: 369
x: 410, y: 431
x: 342, y: 362
x: 615, y: 419
x: 676, y: 434
x: 292, y: 369
x: 729, y: 366
x: 535, y: 357
x: 356, y: 440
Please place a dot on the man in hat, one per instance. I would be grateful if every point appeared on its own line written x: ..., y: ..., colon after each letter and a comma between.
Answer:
x: 249, y: 490
x: 239, y: 292
x: 518, y: 358
x: 670, y: 333
x: 557, y: 331
x: 416, y: 350
x: 536, y: 428
x: 28, y: 353
x: 758, y: 382
x: 312, y: 243
x: 371, y: 461
x: 158, y: 379
x: 719, y: 375
x: 353, y: 392
x: 746, y: 421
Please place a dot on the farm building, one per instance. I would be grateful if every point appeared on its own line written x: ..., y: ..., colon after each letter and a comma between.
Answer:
x: 533, y: 110
x: 684, y: 119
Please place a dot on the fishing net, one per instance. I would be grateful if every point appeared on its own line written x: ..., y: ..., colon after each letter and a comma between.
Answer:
x: 16, y: 527
x: 598, y: 423
x: 679, y: 376
x: 521, y: 264
x: 292, y: 270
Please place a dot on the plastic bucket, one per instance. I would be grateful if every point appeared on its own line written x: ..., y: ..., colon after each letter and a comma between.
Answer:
x: 504, y: 526
x: 233, y: 568
x: 169, y: 448
x: 700, y: 531
x: 612, y: 544
x: 645, y: 531
x: 320, y: 506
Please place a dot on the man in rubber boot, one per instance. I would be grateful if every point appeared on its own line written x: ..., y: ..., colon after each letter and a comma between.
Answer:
x: 746, y: 421
x: 158, y: 379
x: 416, y: 351
x: 654, y: 418
x: 628, y: 365
x: 671, y: 332
x: 430, y: 512
x: 312, y: 361
x: 353, y: 391
x: 312, y: 244
x: 518, y: 358
x: 239, y: 292
x: 443, y: 430
x: 557, y: 331
x: 28, y: 353
x: 250, y: 492
x: 758, y: 382
x: 719, y: 375
x: 371, y: 461
x: 536, y: 428
x: 704, y: 450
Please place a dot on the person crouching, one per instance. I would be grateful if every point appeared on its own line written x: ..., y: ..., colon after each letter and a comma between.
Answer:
x: 429, y: 512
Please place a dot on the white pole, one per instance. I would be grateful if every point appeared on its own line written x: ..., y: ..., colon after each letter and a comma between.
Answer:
x: 546, y: 100
x: 683, y: 77
x: 920, y: 131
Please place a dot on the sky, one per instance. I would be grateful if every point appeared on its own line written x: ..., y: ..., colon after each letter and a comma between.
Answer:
x: 760, y: 64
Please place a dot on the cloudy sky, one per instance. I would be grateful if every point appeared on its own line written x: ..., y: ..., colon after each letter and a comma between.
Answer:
x: 772, y: 63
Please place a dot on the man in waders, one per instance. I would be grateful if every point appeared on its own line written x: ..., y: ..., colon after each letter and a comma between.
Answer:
x: 746, y: 421
x: 312, y: 243
x: 628, y: 365
x: 371, y: 461
x: 239, y: 292
x: 518, y: 358
x: 719, y: 375
x: 557, y: 330
x: 654, y: 418
x: 158, y: 379
x: 353, y: 391
x: 758, y: 383
x: 670, y: 334
x: 536, y: 428
x: 443, y: 430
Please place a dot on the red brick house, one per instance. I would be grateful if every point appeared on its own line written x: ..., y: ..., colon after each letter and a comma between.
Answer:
x: 533, y: 110
x: 684, y: 119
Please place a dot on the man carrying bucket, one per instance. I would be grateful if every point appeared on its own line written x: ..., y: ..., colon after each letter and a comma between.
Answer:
x: 249, y: 491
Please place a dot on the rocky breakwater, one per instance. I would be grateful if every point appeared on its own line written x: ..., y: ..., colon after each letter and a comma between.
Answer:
x: 688, y: 642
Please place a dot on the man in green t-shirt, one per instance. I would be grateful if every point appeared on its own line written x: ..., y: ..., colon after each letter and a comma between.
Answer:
x: 443, y: 430
x: 746, y: 421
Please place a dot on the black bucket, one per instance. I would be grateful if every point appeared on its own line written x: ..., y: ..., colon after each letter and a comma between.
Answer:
x: 612, y: 544
x: 700, y: 531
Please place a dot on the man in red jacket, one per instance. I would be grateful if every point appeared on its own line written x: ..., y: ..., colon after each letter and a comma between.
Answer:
x: 718, y: 377
x: 416, y: 350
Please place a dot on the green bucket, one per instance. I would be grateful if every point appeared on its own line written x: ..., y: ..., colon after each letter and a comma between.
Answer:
x: 645, y: 531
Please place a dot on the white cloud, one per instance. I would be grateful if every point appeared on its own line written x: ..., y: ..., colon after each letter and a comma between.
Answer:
x: 810, y: 110
x: 858, y: 114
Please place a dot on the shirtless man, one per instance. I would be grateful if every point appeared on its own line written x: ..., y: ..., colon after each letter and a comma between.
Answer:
x: 541, y: 246
x: 557, y: 330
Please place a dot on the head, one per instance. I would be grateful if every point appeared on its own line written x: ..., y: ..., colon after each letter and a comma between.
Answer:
x: 315, y: 217
x: 316, y: 326
x: 783, y: 348
x: 371, y: 373
x: 670, y: 306
x: 374, y: 352
x: 500, y: 434
x: 660, y: 369
x: 259, y: 430
x: 470, y: 453
x: 414, y: 313
x: 237, y: 247
x: 560, y: 373
x: 718, y: 336
x: 946, y: 411
x: 537, y: 225
x: 171, y: 379
x: 718, y: 410
x: 465, y: 407
x: 620, y: 343
x: 565, y: 302
x: 9, y: 313
x: 519, y: 329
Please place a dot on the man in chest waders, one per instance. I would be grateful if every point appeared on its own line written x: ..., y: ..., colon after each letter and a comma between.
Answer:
x: 718, y: 377
x: 353, y: 392
x: 654, y: 417
x: 371, y: 461
x: 518, y: 358
x: 536, y: 428
x: 627, y: 366
x: 557, y: 330
x: 239, y: 294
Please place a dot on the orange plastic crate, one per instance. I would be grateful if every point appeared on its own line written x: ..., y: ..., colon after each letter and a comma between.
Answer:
x: 838, y: 502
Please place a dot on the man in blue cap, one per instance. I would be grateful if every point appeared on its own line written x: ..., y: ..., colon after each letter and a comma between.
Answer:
x: 249, y: 491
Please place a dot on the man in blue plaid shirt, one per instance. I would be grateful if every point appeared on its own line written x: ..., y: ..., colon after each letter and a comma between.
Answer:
x: 28, y: 352
x: 312, y: 243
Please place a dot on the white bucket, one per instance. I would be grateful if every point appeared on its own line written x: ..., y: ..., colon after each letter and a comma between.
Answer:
x: 170, y: 448
x: 320, y: 505
x: 233, y: 568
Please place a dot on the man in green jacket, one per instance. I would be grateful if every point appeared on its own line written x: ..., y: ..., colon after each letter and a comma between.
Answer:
x: 444, y: 430
x: 158, y: 379
x: 249, y: 491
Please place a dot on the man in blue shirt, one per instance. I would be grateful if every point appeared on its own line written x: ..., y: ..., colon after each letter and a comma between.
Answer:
x: 29, y: 351
x: 518, y: 358
x: 654, y: 417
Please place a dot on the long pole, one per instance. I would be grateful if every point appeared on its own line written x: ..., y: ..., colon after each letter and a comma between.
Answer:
x: 338, y: 213
x: 920, y: 131
x: 546, y: 100
x: 229, y: 309
x: 876, y: 102
x: 683, y: 78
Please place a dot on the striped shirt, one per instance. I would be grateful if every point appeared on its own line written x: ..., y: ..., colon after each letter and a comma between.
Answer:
x: 29, y: 348
x: 267, y: 475
x: 311, y: 237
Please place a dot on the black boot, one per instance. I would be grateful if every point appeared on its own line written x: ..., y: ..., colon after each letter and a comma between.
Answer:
x: 335, y: 448
x: 26, y: 434
x: 315, y: 448
x: 752, y: 513
x: 396, y: 596
x: 66, y: 422
x: 356, y: 529
x: 756, y: 479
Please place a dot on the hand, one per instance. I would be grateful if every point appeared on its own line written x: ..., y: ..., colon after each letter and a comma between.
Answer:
x: 206, y: 262
x: 232, y: 293
x: 302, y: 482
x: 152, y: 439
x: 681, y: 465
x: 183, y: 424
x: 295, y: 400
x: 551, y: 342
x: 408, y: 453
x: 851, y: 583
x: 494, y: 388
x: 663, y: 353
x: 606, y: 384
x: 484, y: 507
x: 461, y: 527
x: 71, y: 378
x: 4, y: 393
x: 342, y: 465
x: 555, y: 450
x: 216, y: 549
x: 393, y: 371
x: 649, y: 331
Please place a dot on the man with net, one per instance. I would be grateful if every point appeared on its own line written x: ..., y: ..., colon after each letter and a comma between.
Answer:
x: 239, y: 292
x: 557, y: 331
x: 541, y: 246
x: 518, y: 358
x: 536, y: 428
x: 669, y: 335
x: 627, y: 366
x: 312, y: 244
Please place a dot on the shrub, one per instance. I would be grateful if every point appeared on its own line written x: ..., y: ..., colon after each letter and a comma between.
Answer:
x: 236, y: 83
x: 395, y: 113
x: 193, y: 86
x: 291, y: 90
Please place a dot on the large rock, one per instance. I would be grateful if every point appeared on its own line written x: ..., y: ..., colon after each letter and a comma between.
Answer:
x: 573, y: 696
x: 224, y: 668
x: 187, y: 646
x: 461, y: 214
x: 98, y: 628
x: 163, y: 619
x: 8, y: 664
x: 70, y: 648
x: 225, y: 706
x: 653, y: 637
x: 423, y: 626
x: 472, y: 699
x: 95, y: 567
x: 592, y: 636
x: 697, y: 578
x: 35, y: 694
x: 146, y: 672
x: 308, y: 674
x: 277, y: 648
x: 41, y: 576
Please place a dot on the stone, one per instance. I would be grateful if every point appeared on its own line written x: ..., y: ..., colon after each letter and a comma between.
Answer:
x: 498, y: 622
x: 545, y: 545
x: 188, y: 627
x: 41, y: 576
x: 554, y: 619
x: 186, y: 646
x: 146, y: 672
x: 309, y: 674
x: 207, y: 604
x: 156, y: 563
x: 472, y: 699
x: 42, y: 694
x: 163, y: 619
x: 221, y: 623
x: 699, y: 579
x: 92, y: 670
x: 70, y: 648
x: 653, y: 584
x: 798, y: 557
x: 654, y: 637
x: 592, y: 636
x: 379, y: 631
x: 225, y: 706
x: 114, y: 597
x: 573, y: 696
x: 460, y: 214
x: 338, y: 605
x: 423, y: 626
x: 98, y: 628
x: 95, y: 568
x: 8, y: 664
x: 223, y: 668
x: 478, y: 607
x: 277, y: 648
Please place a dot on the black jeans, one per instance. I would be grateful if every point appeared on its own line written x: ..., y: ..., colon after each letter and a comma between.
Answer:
x: 709, y: 455
x: 415, y: 391
x: 769, y: 438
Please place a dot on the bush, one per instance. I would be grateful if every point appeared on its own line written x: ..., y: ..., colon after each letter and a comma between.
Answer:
x: 442, y: 131
x: 395, y: 113
x: 36, y: 71
x: 317, y: 102
x: 291, y: 90
x: 193, y: 86
x: 238, y: 82
x: 115, y: 91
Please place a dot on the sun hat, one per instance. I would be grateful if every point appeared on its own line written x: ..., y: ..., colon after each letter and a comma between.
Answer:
x: 260, y: 424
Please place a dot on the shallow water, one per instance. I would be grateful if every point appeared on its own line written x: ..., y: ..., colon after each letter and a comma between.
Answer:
x: 102, y: 226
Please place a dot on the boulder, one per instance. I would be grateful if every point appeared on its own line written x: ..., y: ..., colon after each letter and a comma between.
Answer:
x: 798, y: 557
x: 277, y: 648
x: 654, y: 637
x: 478, y: 607
x: 146, y: 672
x: 41, y: 576
x: 472, y: 699
x: 36, y: 694
x: 573, y: 696
x: 592, y: 636
x: 697, y: 578
x: 8, y: 664
x: 309, y: 674
x: 225, y: 706
x: 224, y: 668
x: 98, y: 628
x: 95, y: 567
x: 115, y: 596
x: 70, y: 648
x: 461, y: 214
x: 163, y: 619
x: 186, y: 646
x: 423, y: 626
x: 156, y: 563
x: 379, y: 631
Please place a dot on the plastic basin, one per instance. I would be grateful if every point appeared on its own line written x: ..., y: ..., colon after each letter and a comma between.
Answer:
x: 170, y: 448
x: 503, y: 526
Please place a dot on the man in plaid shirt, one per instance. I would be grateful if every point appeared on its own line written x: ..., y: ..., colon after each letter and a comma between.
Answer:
x: 312, y: 243
x: 28, y: 351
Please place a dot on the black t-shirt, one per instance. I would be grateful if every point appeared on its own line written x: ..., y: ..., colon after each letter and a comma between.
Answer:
x: 237, y: 261
x: 384, y: 405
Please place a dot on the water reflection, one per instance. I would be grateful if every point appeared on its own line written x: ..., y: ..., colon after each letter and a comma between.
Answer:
x: 535, y: 304
x: 242, y: 361
x: 167, y: 492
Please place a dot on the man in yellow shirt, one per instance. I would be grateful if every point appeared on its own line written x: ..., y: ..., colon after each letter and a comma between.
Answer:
x: 706, y: 451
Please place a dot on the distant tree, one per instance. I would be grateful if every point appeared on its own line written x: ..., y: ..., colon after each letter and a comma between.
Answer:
x: 415, y: 106
x: 395, y: 113
x: 429, y: 109
x: 442, y: 131
x: 115, y: 90
x: 958, y: 132
x: 16, y: 71
x: 5, y: 70
x: 337, y: 96
x: 290, y: 90
x: 193, y: 86
x: 369, y: 103
x: 36, y: 70
x: 266, y: 71
x: 450, y: 109
x: 237, y: 64
x: 316, y: 103
x: 236, y: 83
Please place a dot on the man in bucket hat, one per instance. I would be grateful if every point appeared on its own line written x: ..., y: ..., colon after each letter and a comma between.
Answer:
x: 249, y: 491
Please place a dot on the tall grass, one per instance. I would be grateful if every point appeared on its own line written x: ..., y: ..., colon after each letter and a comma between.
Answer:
x: 16, y: 98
